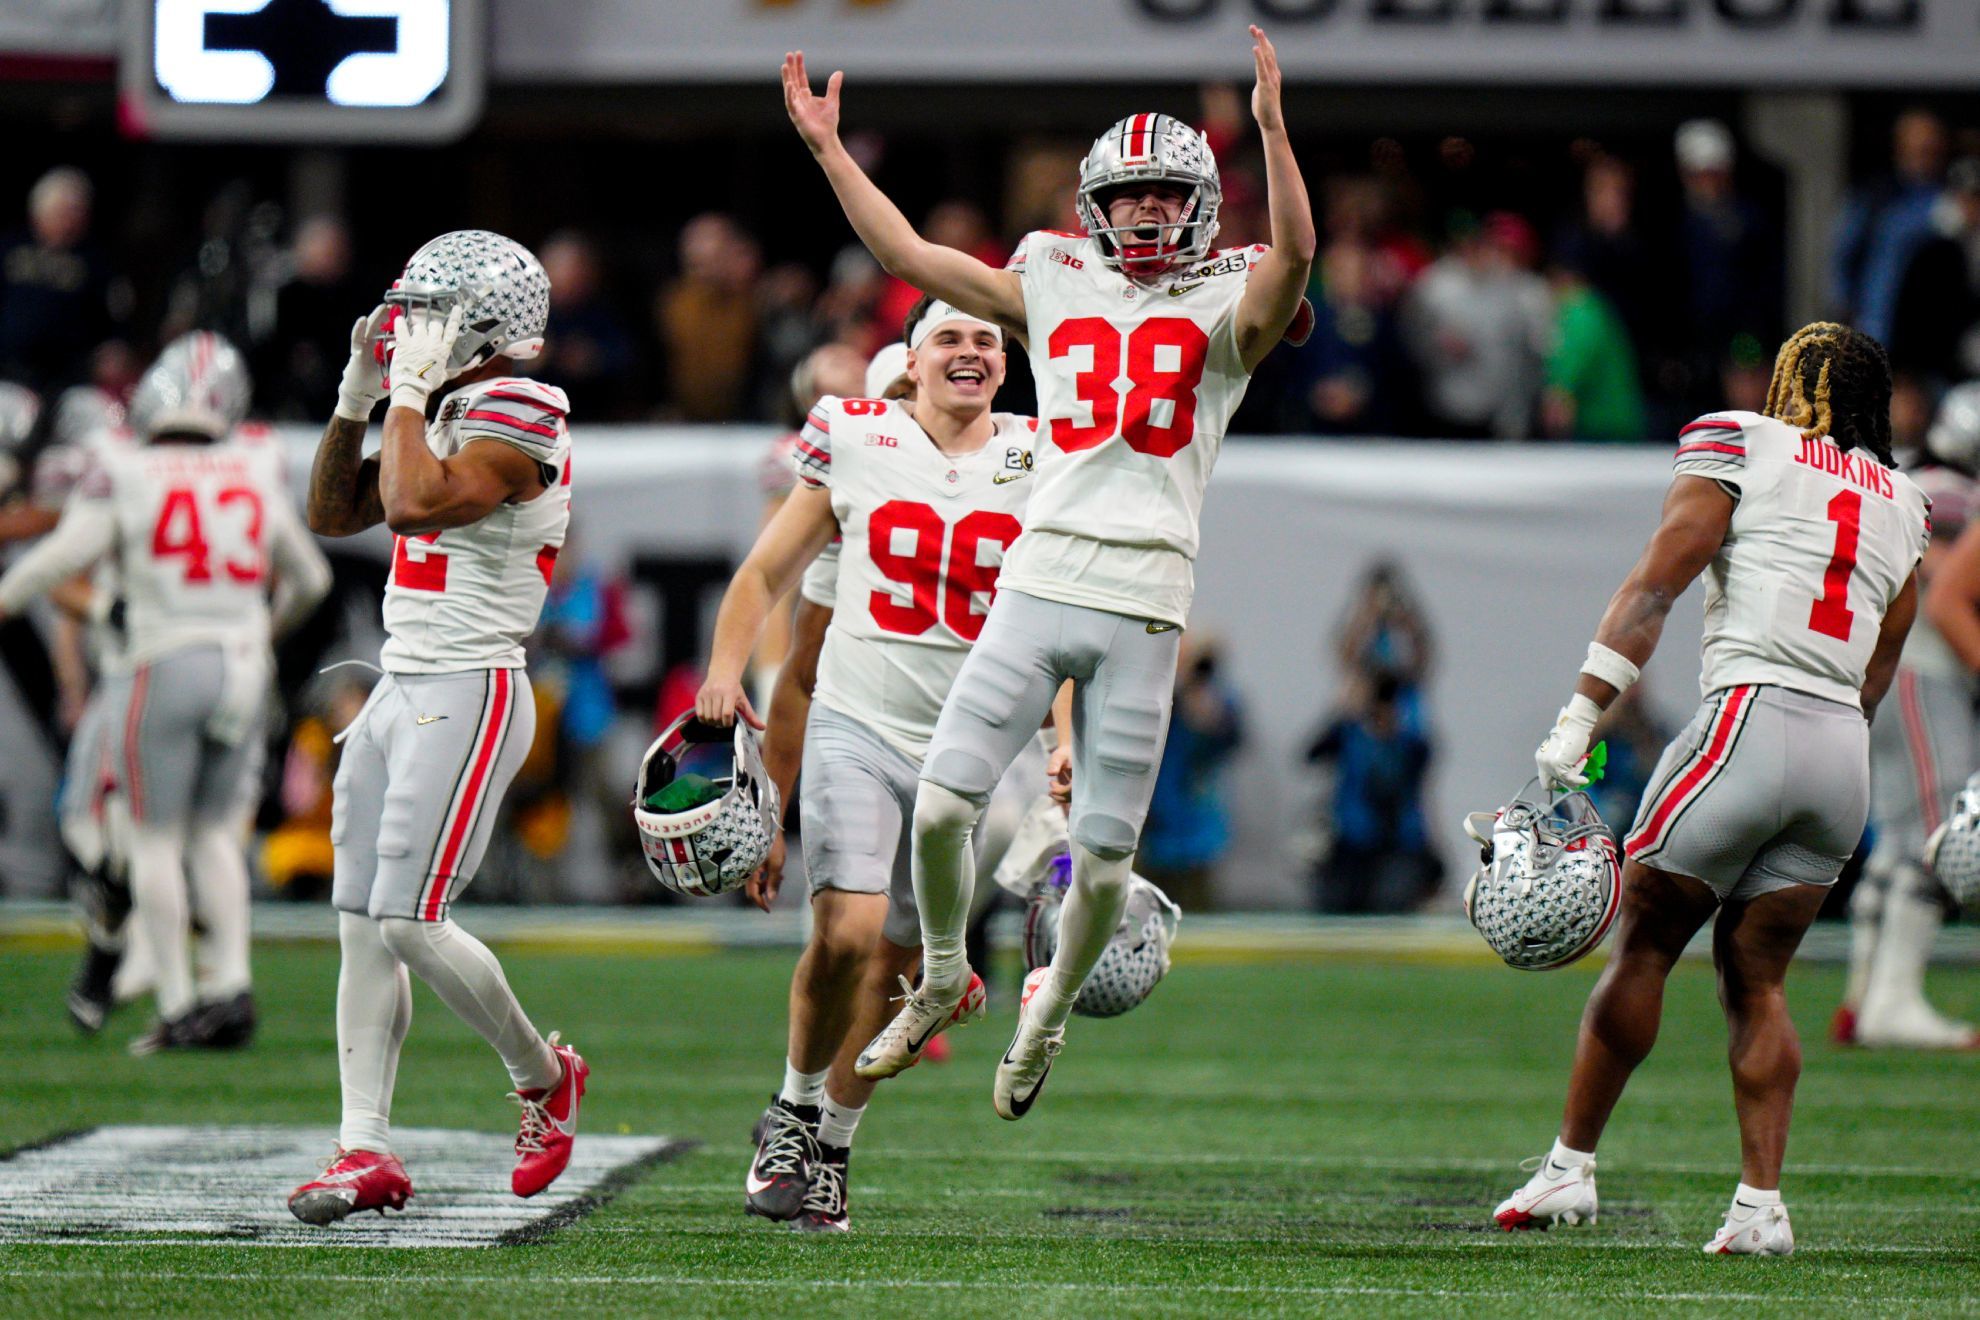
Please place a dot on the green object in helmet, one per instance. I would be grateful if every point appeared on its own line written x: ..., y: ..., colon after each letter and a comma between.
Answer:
x: 683, y: 794
x: 1597, y: 763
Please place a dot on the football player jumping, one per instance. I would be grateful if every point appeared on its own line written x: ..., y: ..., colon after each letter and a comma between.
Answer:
x: 197, y: 518
x: 479, y: 500
x: 926, y: 495
x: 1142, y: 340
x: 1809, y: 540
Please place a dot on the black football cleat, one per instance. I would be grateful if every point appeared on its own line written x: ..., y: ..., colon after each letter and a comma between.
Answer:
x: 825, y: 1202
x: 780, y: 1175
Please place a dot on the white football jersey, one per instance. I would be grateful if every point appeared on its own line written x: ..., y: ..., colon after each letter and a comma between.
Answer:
x: 194, y: 523
x: 922, y: 539
x: 1821, y: 543
x: 464, y: 598
x: 775, y: 476
x: 1135, y: 387
x: 57, y: 474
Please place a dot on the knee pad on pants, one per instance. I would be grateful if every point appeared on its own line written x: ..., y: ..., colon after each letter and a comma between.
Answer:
x: 1109, y: 838
x: 410, y: 941
x: 939, y: 810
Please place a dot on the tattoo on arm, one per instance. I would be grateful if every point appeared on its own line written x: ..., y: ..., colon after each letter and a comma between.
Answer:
x: 343, y: 485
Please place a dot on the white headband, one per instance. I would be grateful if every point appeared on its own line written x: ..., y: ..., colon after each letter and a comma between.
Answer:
x: 940, y: 314
x: 887, y: 366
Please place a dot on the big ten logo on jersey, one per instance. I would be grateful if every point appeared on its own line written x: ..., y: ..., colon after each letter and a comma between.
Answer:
x: 883, y: 440
x: 1857, y: 469
x: 941, y: 572
x: 1065, y: 258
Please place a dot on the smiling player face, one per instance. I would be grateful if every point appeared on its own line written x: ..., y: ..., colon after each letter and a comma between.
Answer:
x: 958, y: 367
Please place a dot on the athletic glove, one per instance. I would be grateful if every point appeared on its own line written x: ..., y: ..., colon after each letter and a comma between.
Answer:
x: 1559, y: 759
x: 420, y: 356
x: 363, y: 384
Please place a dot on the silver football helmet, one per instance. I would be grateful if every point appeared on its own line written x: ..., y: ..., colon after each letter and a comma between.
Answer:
x: 1134, y: 961
x: 1954, y: 437
x: 1151, y: 148
x: 1953, y: 851
x: 1549, y: 883
x: 199, y: 384
x: 714, y: 846
x: 499, y: 285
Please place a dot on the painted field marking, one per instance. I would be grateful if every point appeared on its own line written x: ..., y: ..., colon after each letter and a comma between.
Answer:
x: 231, y: 1185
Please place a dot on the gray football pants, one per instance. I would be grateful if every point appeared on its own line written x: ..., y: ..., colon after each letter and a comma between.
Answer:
x: 425, y: 765
x: 1123, y: 672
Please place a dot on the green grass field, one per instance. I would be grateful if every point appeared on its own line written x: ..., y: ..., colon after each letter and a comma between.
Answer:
x: 1283, y: 1138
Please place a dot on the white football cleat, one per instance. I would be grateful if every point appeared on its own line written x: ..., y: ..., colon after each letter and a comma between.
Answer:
x: 1916, y: 1026
x: 1753, y: 1230
x: 899, y: 1045
x: 1553, y: 1195
x: 1022, y: 1071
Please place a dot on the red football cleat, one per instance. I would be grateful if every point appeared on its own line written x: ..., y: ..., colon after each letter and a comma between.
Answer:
x: 1842, y: 1027
x: 549, y: 1125
x: 936, y: 1050
x: 353, y: 1180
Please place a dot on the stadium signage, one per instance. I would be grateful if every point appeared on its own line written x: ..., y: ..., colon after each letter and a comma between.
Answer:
x: 1789, y: 44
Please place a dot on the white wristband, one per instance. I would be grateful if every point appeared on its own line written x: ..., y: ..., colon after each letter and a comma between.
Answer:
x: 1612, y: 667
x: 411, y: 396
x: 355, y: 410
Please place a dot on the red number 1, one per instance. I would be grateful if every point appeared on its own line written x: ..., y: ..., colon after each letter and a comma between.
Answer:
x: 1831, y: 615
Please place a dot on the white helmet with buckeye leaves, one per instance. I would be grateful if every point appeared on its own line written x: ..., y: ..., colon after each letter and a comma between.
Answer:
x: 1151, y: 148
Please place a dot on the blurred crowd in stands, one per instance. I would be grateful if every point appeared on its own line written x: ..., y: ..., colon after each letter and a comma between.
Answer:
x: 1631, y: 293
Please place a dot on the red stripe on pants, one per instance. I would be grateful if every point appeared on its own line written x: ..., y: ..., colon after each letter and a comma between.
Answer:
x: 1918, y: 739
x: 133, y: 758
x: 1695, y: 778
x: 462, y: 825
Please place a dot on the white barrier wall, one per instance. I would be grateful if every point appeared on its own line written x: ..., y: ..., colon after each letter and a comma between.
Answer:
x: 1513, y: 551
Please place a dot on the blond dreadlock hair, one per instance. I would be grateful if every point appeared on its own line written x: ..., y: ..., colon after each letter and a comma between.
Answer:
x: 1834, y: 381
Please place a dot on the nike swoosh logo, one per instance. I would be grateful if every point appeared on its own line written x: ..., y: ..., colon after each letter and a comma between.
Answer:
x: 1178, y: 290
x: 1003, y: 477
x: 926, y: 1036
x: 428, y: 719
x: 752, y: 1184
x: 1163, y: 627
x: 1021, y: 1107
x: 347, y: 1175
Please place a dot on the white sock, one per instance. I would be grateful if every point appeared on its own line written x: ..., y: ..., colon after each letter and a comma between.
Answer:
x: 1566, y: 1157
x: 374, y: 1010
x: 1911, y: 921
x: 1753, y: 1196
x: 839, y: 1122
x: 944, y: 869
x: 1866, y: 916
x: 802, y: 1088
x: 220, y: 895
x: 158, y: 903
x: 469, y: 980
x: 1087, y: 922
